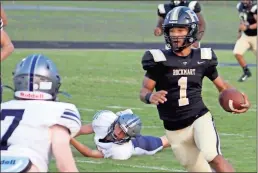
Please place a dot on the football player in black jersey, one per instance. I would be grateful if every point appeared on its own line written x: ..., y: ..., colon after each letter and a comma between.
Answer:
x: 6, y: 50
x: 177, y: 75
x: 247, y: 34
x: 163, y: 9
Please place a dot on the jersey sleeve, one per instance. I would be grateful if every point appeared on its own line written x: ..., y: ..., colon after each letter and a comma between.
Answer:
x: 70, y: 119
x: 195, y: 6
x: 150, y: 65
x: 161, y: 11
x: 254, y: 9
x: 1, y: 24
x: 211, y: 71
x: 102, y: 120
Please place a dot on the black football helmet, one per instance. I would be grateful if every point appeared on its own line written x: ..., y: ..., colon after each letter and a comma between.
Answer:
x: 181, y: 17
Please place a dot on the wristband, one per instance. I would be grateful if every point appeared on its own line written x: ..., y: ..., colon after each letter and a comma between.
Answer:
x: 147, y: 98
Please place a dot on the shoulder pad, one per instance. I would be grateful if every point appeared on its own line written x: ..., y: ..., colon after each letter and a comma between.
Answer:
x: 254, y: 9
x: 157, y: 55
x: 151, y: 57
x: 238, y: 5
x: 195, y: 6
x: 208, y: 54
x: 161, y: 9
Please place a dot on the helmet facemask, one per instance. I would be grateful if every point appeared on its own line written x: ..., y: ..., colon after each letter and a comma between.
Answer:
x: 112, y: 135
x: 187, y: 40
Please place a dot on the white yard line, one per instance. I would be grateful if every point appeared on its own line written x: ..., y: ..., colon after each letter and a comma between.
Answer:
x: 123, y: 107
x: 134, y: 166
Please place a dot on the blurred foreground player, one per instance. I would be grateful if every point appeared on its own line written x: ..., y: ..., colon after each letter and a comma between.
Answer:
x: 34, y: 126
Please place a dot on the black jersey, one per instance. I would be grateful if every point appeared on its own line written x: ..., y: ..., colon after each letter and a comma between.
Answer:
x: 163, y: 9
x: 246, y: 15
x: 182, y: 78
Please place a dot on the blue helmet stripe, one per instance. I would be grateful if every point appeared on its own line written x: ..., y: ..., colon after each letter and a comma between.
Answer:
x: 32, y: 68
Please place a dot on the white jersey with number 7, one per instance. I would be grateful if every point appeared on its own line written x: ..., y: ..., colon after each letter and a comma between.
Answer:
x: 25, y: 128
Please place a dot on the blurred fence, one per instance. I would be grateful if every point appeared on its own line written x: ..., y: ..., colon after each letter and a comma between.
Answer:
x: 127, y: 21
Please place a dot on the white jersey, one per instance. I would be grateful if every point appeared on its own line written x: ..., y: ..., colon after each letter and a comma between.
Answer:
x: 31, y: 121
x: 102, y: 120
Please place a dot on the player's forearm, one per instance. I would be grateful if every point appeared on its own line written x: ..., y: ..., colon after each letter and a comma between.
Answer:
x: 86, y: 151
x: 65, y: 161
x: 6, y: 51
x: 225, y: 86
x: 221, y: 84
x: 60, y: 140
x: 160, y: 22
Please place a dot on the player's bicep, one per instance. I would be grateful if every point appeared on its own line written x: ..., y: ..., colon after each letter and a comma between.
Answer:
x: 86, y: 129
x: 59, y: 135
x: 212, y: 73
x: 211, y: 69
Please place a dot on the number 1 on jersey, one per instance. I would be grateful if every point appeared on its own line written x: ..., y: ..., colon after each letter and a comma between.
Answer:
x: 183, y: 100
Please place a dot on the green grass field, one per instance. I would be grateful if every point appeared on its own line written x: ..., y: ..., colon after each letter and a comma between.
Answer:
x: 222, y: 20
x: 110, y: 79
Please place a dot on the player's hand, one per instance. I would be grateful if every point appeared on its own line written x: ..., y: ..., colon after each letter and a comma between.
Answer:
x: 244, y: 106
x: 242, y: 27
x: 158, y: 31
x: 158, y: 97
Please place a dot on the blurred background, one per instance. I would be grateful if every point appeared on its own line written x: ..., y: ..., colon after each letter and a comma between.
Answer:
x: 124, y: 21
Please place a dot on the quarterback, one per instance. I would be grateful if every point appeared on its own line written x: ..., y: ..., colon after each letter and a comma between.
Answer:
x: 173, y: 81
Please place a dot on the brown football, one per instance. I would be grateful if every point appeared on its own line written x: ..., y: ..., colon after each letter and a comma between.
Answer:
x: 230, y: 99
